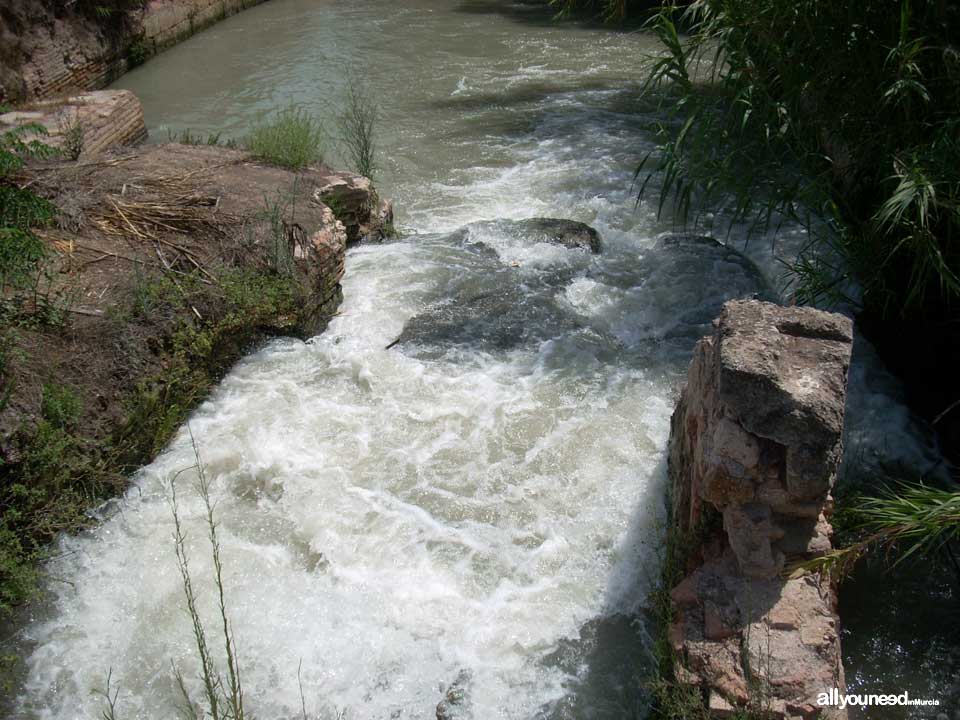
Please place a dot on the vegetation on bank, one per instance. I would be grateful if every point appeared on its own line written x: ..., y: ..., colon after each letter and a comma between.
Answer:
x: 846, y: 112
x: 292, y: 139
x: 188, y: 320
x: 182, y: 324
x: 60, y: 471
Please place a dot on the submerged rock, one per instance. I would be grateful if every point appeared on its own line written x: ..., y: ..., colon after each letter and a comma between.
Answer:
x: 677, y: 252
x: 569, y: 233
x: 455, y: 704
x: 496, y: 305
x: 497, y: 320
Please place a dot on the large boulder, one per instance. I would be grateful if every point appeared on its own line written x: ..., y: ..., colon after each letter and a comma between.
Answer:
x: 569, y: 233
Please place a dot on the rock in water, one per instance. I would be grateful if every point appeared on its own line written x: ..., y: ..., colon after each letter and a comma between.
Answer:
x: 755, y: 443
x: 455, y: 704
x: 569, y: 233
x: 496, y: 306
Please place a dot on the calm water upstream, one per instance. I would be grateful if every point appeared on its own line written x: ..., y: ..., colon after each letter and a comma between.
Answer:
x: 396, y: 520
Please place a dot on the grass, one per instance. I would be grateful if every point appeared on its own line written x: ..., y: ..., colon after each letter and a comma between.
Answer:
x: 222, y: 694
x: 292, y: 139
x: 671, y: 700
x: 911, y: 520
x: 60, y: 472
x: 223, y: 698
x: 188, y: 137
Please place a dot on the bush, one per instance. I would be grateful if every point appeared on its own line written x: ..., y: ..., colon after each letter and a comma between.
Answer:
x: 848, y: 112
x: 71, y: 130
x: 20, y: 209
x: 292, y: 139
x: 357, y: 123
x: 59, y: 405
x: 137, y: 53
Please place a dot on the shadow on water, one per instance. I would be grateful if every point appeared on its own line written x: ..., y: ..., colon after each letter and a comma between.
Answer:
x: 612, y: 657
x: 540, y: 13
x: 887, y: 650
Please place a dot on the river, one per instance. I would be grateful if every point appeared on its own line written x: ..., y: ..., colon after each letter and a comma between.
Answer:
x: 480, y: 513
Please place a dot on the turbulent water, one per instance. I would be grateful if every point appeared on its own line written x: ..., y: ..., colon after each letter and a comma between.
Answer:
x: 476, y: 506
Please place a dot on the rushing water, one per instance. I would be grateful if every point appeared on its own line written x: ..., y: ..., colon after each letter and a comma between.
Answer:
x: 446, y: 510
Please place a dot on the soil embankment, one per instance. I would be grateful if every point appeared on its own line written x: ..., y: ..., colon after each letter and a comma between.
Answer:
x: 164, y: 265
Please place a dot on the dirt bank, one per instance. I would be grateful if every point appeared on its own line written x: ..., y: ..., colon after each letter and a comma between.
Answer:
x: 165, y: 265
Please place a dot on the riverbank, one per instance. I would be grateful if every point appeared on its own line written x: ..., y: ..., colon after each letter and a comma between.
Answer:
x: 50, y: 49
x: 165, y: 264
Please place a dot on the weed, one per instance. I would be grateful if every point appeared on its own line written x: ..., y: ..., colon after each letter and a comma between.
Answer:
x: 187, y: 137
x: 275, y: 228
x: 71, y: 130
x: 224, y: 699
x: 292, y: 139
x: 110, y: 697
x: 59, y: 405
x: 137, y: 53
x: 20, y: 208
x: 357, y: 123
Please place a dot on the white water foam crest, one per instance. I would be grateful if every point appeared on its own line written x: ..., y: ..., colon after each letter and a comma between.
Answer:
x: 451, y: 515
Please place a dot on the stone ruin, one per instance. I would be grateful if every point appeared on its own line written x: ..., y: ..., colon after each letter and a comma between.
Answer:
x: 754, y: 449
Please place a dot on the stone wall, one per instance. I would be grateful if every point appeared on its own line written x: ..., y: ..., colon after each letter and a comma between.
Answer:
x: 167, y: 22
x: 53, y: 51
x: 754, y: 449
x: 106, y: 118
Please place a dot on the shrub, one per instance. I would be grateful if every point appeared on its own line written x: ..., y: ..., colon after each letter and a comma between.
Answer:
x: 59, y: 405
x: 20, y: 208
x: 137, y: 53
x: 71, y: 130
x: 847, y: 112
x: 357, y: 123
x: 292, y: 139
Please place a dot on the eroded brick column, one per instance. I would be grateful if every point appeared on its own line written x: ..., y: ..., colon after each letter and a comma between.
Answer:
x: 754, y: 450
